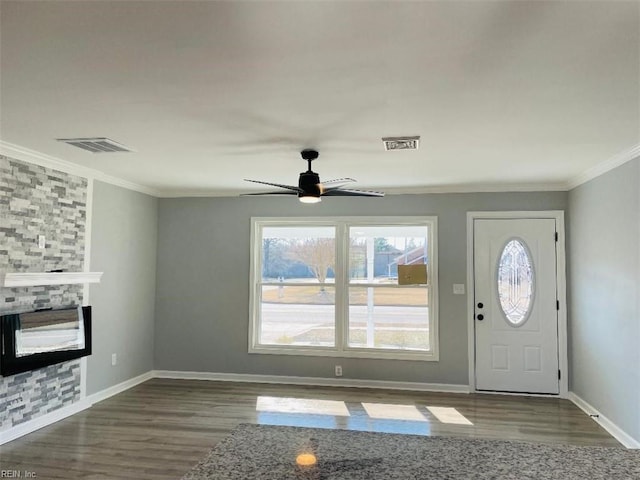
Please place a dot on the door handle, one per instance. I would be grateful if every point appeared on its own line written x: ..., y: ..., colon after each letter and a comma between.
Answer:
x: 480, y: 316
x: 480, y: 304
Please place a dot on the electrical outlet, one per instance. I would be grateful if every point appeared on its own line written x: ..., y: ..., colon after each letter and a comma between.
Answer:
x: 338, y: 370
x: 42, y: 241
x: 114, y: 359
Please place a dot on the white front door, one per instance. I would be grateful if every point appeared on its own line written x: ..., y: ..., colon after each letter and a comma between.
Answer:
x: 515, y: 305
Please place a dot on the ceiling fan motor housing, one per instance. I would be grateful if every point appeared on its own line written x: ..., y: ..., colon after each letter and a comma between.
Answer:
x: 309, y: 182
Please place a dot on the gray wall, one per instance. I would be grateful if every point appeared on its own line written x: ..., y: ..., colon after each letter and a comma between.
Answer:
x: 604, y: 328
x: 123, y: 246
x: 202, y: 302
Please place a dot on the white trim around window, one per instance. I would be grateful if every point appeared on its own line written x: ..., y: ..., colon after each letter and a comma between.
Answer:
x: 341, y: 283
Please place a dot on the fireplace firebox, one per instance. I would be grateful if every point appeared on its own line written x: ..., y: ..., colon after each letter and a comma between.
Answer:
x: 37, y: 339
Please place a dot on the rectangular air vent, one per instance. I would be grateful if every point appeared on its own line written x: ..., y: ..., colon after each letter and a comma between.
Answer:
x: 401, y: 143
x: 96, y: 145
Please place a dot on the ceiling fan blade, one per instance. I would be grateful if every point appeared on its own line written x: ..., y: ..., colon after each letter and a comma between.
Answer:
x: 334, y: 184
x: 283, y: 192
x: 338, y: 192
x: 288, y: 187
x: 309, y: 186
x: 338, y: 181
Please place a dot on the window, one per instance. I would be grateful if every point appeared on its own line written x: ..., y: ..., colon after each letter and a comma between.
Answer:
x: 515, y: 282
x: 329, y: 287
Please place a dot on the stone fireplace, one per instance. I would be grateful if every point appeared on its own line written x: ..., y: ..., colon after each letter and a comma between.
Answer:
x: 37, y: 201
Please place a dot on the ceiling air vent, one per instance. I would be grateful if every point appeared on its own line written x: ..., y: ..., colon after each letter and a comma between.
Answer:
x: 401, y: 143
x: 96, y: 145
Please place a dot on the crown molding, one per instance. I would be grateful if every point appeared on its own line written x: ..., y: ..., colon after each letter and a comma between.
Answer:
x: 170, y: 193
x: 604, y: 167
x: 37, y: 158
x: 481, y: 188
x: 589, y: 174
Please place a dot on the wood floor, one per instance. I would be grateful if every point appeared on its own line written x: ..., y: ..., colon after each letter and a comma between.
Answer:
x: 160, y: 429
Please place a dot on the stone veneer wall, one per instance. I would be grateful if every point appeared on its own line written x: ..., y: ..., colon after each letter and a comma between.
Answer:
x: 39, y: 201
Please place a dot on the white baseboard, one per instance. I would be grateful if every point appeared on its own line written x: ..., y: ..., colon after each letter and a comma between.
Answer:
x: 40, y: 422
x: 64, y: 412
x: 53, y: 417
x: 119, y: 388
x: 317, y: 381
x: 619, y: 434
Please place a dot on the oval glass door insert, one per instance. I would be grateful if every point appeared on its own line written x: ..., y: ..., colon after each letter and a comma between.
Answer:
x: 515, y: 282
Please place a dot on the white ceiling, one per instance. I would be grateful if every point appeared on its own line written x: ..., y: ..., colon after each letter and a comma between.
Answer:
x: 208, y: 93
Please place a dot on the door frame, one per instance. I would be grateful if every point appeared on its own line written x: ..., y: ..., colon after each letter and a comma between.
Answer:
x: 561, y: 282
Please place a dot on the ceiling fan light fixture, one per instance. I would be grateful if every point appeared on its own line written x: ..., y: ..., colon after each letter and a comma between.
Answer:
x: 309, y: 199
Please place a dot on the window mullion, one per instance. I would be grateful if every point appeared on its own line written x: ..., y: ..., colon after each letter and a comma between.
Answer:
x: 342, y: 265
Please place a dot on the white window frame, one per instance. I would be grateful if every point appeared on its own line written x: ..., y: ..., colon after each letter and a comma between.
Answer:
x: 342, y: 349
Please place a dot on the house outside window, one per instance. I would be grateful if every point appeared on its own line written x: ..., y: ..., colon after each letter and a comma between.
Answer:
x: 329, y: 287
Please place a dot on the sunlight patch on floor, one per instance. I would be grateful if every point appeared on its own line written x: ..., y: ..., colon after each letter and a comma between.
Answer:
x: 389, y: 411
x: 301, y: 405
x: 449, y: 415
x: 284, y: 410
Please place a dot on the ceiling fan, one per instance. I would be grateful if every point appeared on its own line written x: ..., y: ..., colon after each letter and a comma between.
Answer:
x: 310, y: 189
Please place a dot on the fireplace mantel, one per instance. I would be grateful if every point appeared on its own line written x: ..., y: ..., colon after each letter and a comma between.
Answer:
x: 47, y: 278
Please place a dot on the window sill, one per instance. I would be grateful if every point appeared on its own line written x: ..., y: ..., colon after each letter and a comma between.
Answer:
x: 350, y: 353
